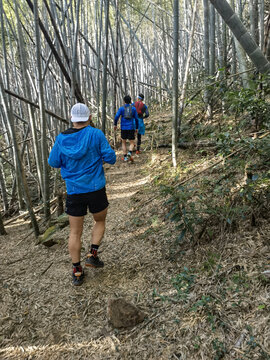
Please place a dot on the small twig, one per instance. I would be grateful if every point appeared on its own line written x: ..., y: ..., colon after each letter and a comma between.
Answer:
x: 47, y: 268
x: 30, y: 233
x: 14, y: 261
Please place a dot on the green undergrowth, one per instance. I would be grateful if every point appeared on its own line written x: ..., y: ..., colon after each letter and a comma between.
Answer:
x: 232, y: 190
x: 214, y: 190
x: 214, y: 287
x: 196, y: 212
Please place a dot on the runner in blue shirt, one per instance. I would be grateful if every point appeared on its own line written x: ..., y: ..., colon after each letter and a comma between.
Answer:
x: 129, y: 125
x: 80, y: 152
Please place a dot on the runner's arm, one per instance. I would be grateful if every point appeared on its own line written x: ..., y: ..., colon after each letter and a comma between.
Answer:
x: 107, y: 153
x: 117, y: 116
x: 146, y: 112
x: 54, y: 157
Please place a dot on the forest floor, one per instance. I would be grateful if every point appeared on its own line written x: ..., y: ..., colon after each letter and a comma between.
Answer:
x: 192, y: 312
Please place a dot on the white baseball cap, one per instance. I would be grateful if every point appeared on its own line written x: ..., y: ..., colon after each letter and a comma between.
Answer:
x: 79, y: 113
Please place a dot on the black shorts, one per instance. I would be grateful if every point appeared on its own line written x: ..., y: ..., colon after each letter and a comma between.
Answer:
x: 128, y: 134
x: 77, y: 204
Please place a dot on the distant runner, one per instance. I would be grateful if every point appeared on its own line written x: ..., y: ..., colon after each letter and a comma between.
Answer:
x: 143, y: 113
x: 129, y: 125
x: 80, y: 152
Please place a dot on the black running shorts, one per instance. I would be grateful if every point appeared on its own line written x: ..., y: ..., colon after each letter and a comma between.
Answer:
x: 77, y: 204
x: 128, y: 134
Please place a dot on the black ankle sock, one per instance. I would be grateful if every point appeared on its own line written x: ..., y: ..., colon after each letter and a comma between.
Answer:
x: 94, y: 249
x: 76, y: 264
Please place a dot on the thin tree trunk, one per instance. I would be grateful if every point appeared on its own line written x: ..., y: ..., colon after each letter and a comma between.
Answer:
x: 114, y: 109
x: 241, y: 55
x: 99, y: 61
x: 3, y: 188
x: 123, y: 61
x: 2, y: 228
x: 74, y: 61
x: 254, y: 20
x: 261, y: 22
x: 105, y: 61
x: 212, y: 62
x: 175, y: 82
x: 185, y: 81
x: 206, y: 58
x: 44, y: 148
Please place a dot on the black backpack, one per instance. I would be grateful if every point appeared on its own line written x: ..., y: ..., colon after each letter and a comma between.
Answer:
x: 128, y: 112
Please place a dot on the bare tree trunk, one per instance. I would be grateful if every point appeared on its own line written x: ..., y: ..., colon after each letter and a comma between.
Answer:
x: 212, y: 63
x: 241, y: 56
x: 185, y: 81
x: 206, y: 58
x: 44, y: 148
x: 98, y: 62
x: 105, y: 61
x: 114, y: 109
x: 2, y: 228
x: 175, y: 82
x: 123, y: 61
x: 3, y: 188
x: 254, y: 20
x: 74, y: 61
x: 261, y: 23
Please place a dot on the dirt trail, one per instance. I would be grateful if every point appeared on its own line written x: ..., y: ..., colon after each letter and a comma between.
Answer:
x: 223, y: 298
x: 42, y: 314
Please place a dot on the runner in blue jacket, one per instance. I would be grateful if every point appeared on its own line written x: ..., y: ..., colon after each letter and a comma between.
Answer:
x: 129, y: 125
x: 80, y: 152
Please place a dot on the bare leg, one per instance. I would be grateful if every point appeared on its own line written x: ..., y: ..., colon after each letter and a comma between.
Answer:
x: 99, y: 227
x: 74, y: 243
x: 124, y: 146
x: 131, y: 145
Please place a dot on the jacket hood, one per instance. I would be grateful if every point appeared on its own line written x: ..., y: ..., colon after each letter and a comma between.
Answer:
x: 74, y: 145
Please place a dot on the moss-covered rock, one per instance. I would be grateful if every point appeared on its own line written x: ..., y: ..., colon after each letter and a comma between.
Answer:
x: 47, y: 238
x: 61, y: 221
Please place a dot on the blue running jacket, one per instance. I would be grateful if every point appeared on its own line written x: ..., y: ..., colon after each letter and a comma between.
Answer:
x: 80, y: 154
